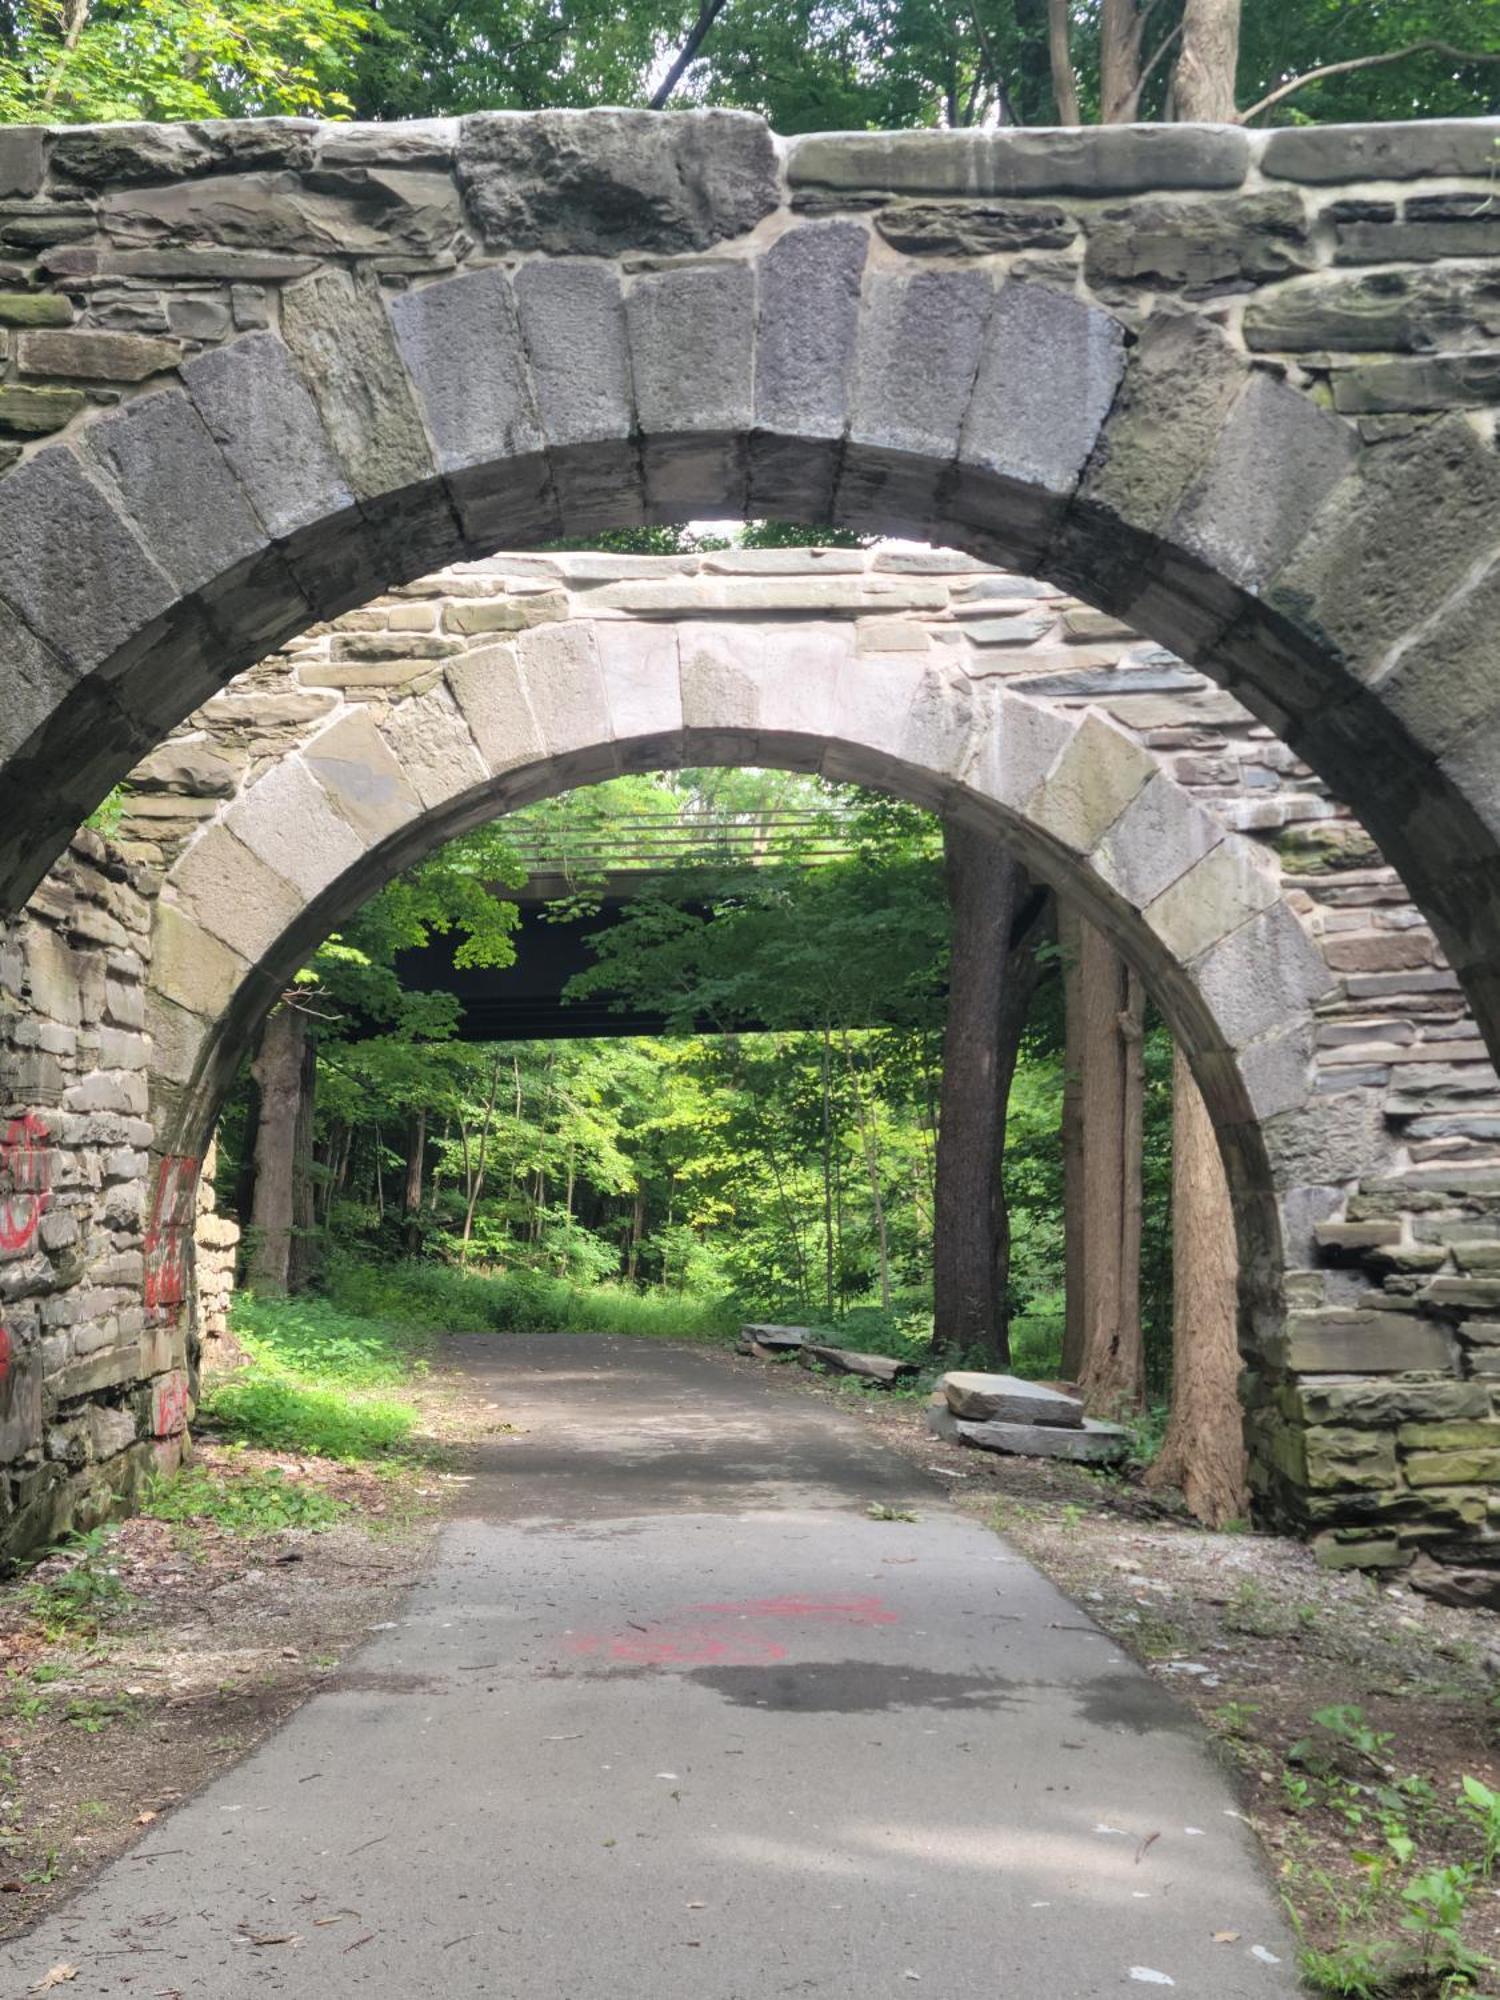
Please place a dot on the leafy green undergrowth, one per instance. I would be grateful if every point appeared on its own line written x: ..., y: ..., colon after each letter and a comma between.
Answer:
x: 247, y: 1501
x: 439, y: 1298
x: 318, y: 1380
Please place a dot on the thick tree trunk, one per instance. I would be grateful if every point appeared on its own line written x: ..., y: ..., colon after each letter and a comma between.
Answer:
x: 411, y: 1192
x: 1023, y: 971
x: 1075, y: 1232
x: 1204, y: 1449
x: 302, y: 1263
x: 1120, y: 27
x: 984, y: 889
x: 1112, y: 1374
x: 277, y: 1070
x: 1060, y: 53
x: 1203, y: 84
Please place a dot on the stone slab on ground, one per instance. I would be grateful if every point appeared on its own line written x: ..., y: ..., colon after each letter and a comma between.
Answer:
x: 1093, y: 1443
x: 882, y: 1368
x: 764, y: 1334
x: 1008, y: 1399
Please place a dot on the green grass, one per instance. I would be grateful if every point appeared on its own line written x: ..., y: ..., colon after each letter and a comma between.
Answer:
x: 318, y: 1381
x: 247, y: 1502
x: 439, y: 1298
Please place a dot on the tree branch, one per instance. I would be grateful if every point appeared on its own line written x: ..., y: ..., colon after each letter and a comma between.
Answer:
x: 708, y: 14
x: 1124, y: 112
x: 1367, y: 62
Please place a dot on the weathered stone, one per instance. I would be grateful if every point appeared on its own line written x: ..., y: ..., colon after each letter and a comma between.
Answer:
x: 773, y: 1337
x: 21, y: 164
x: 885, y: 1369
x: 1352, y: 1458
x: 1326, y: 154
x: 461, y: 342
x: 356, y: 767
x: 1453, y: 1468
x: 1395, y: 310
x: 1103, y: 160
x: 287, y: 819
x: 920, y: 343
x: 352, y: 212
x: 1047, y: 375
x: 808, y: 329
x: 1091, y: 1443
x: 37, y: 412
x: 34, y: 309
x: 336, y: 325
x: 197, y: 523
x: 600, y: 182
x: 1370, y: 1343
x: 86, y: 610
x: 973, y: 228
x: 1335, y: 1551
x: 573, y: 325
x: 266, y: 424
x: 87, y: 356
x: 1006, y: 1398
x: 127, y: 154
x: 1456, y: 1436
x: 1203, y: 244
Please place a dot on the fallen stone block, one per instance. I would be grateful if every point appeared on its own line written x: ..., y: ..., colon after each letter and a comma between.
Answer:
x: 882, y: 1368
x: 1092, y: 1443
x: 1008, y: 1399
x: 775, y: 1339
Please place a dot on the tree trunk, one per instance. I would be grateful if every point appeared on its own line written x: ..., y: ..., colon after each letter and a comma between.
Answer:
x: 411, y: 1192
x: 1022, y: 973
x: 1204, y: 1449
x: 1120, y: 27
x: 1111, y: 1377
x: 1075, y: 1233
x: 1060, y: 52
x: 1203, y: 84
x: 277, y: 1070
x: 302, y: 1263
x: 869, y: 1139
x: 984, y: 888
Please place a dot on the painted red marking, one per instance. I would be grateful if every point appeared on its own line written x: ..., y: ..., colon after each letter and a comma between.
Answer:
x: 26, y: 1162
x: 170, y: 1414
x: 729, y: 1634
x: 169, y: 1231
x: 5, y: 1354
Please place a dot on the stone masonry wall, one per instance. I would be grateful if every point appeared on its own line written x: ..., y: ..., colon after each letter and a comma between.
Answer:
x: 93, y: 1393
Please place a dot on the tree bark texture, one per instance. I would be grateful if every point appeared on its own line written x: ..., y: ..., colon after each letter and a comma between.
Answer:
x: 277, y: 1070
x: 1203, y: 84
x: 303, y: 1259
x: 411, y: 1193
x: 1075, y: 1235
x: 1111, y: 1375
x: 984, y: 889
x: 1059, y: 49
x: 1204, y: 1449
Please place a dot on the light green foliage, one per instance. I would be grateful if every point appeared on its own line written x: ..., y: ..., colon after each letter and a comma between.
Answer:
x: 1482, y: 1807
x: 170, y: 59
x: 314, y: 1382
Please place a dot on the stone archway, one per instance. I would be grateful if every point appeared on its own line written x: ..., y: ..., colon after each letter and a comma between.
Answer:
x: 1105, y: 356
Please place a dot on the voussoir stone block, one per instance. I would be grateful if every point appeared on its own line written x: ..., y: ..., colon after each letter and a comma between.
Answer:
x: 177, y: 487
x: 437, y: 754
x: 1265, y: 973
x: 1014, y: 744
x: 236, y: 895
x: 565, y: 686
x: 260, y: 414
x: 357, y: 768
x: 597, y: 183
x: 919, y: 348
x: 337, y: 327
x: 642, y: 679
x: 692, y: 342
x: 287, y: 818
x: 808, y: 328
x: 1098, y: 774
x: 573, y: 325
x: 461, y: 342
x: 189, y: 966
x: 85, y: 608
x: 488, y: 686
x: 1160, y: 835
x: 1231, y: 882
x: 1047, y: 375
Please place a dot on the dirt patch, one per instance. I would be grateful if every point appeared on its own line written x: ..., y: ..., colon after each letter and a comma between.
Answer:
x: 1251, y: 1636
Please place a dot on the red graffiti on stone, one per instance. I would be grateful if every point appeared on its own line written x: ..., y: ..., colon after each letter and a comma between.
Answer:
x: 170, y: 1229
x: 26, y: 1170
x: 730, y: 1634
x: 5, y: 1356
x: 169, y: 1412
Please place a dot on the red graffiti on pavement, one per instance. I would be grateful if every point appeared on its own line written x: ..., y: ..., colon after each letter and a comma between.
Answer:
x: 26, y: 1164
x: 170, y: 1229
x: 730, y: 1634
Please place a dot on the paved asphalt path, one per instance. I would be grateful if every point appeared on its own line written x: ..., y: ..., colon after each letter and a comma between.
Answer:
x: 671, y: 1718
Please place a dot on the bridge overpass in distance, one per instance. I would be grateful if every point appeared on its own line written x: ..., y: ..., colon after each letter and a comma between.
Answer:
x: 602, y: 866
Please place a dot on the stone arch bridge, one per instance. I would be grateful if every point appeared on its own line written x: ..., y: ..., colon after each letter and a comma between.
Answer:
x: 1236, y: 390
